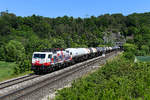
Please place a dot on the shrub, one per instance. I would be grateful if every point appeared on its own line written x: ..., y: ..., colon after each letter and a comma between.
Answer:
x: 129, y: 55
x: 119, y: 79
x: 145, y: 48
x: 130, y: 47
x: 23, y: 65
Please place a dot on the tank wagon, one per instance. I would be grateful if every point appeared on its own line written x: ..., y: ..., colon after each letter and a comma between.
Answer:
x: 49, y: 60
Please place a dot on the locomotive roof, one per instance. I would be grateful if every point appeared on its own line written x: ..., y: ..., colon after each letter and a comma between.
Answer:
x: 43, y: 52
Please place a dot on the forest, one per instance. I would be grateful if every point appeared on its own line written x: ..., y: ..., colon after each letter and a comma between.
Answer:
x: 21, y: 36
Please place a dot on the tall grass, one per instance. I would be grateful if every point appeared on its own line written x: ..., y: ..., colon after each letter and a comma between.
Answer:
x: 7, y: 70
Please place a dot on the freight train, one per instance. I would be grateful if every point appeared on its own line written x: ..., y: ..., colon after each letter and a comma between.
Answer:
x: 53, y: 59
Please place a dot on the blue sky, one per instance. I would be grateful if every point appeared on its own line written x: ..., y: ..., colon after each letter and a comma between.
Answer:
x: 75, y: 8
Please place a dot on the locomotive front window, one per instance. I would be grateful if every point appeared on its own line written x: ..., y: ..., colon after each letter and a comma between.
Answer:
x: 42, y: 56
x: 67, y: 51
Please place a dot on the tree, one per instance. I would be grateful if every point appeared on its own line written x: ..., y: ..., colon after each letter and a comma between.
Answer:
x: 145, y: 48
x: 2, y: 53
x: 132, y: 30
x: 36, y: 44
x: 58, y: 43
x: 14, y: 50
x: 43, y: 30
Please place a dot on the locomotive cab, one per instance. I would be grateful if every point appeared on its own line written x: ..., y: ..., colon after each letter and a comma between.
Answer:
x: 41, y: 61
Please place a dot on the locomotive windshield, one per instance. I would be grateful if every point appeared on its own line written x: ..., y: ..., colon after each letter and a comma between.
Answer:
x: 42, y: 56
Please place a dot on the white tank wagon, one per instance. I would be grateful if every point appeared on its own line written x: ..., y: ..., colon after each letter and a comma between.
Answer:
x: 93, y: 52
x: 99, y: 50
x: 78, y: 54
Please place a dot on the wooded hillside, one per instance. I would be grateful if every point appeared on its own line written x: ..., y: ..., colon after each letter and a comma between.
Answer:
x: 21, y: 36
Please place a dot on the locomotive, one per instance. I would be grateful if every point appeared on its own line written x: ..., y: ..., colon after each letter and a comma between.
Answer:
x: 53, y: 59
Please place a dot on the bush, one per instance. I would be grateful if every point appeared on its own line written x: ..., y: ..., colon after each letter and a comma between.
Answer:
x: 23, y: 65
x: 129, y: 47
x: 129, y: 55
x: 119, y: 79
x: 131, y: 41
x: 145, y: 48
x: 141, y: 53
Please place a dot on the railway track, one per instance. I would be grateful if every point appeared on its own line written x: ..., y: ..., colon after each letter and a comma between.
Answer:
x: 12, y: 82
x: 51, y: 78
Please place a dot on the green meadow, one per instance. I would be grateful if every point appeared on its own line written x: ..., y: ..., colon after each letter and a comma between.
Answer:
x: 6, y: 70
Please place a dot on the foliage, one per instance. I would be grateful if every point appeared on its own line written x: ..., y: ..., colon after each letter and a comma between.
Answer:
x: 22, y: 65
x: 129, y: 47
x: 2, y: 54
x: 21, y: 36
x: 130, y: 51
x: 7, y: 72
x: 6, y: 69
x: 145, y: 49
x: 129, y: 55
x: 14, y: 50
x: 119, y: 79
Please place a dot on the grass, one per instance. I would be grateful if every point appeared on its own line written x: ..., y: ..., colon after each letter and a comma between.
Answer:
x: 6, y: 71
